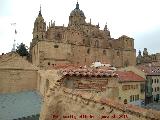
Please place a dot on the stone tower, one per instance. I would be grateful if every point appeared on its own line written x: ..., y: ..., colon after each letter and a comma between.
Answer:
x: 39, y: 28
x: 107, y: 32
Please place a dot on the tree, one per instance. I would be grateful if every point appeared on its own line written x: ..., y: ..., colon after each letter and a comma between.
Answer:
x: 22, y: 50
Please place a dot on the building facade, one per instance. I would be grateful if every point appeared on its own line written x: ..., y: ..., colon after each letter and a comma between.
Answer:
x: 131, y: 87
x: 152, y: 82
x: 79, y: 43
x: 145, y: 58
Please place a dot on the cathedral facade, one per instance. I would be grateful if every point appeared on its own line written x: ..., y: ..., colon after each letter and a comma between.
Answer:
x: 79, y: 43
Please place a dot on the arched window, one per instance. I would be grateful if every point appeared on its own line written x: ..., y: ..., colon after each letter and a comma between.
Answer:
x: 104, y: 52
x: 125, y: 101
x: 88, y: 51
x: 96, y: 43
x: 118, y: 53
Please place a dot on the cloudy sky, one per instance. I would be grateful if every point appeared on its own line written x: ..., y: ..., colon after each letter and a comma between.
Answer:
x: 138, y: 19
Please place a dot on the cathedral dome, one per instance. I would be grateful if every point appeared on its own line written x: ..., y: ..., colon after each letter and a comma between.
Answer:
x: 77, y: 11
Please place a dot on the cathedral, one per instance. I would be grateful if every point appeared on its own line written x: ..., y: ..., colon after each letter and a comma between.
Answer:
x: 79, y: 43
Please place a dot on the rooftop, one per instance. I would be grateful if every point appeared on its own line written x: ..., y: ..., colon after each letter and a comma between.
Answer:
x: 72, y: 70
x: 18, y: 105
x: 129, y: 76
x: 149, y: 69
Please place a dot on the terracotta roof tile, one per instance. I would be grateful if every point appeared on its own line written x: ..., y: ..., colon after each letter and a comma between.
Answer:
x: 125, y: 76
x: 150, y: 70
x: 87, y: 71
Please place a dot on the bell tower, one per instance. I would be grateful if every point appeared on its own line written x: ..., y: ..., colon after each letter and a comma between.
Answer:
x: 106, y: 30
x: 39, y: 27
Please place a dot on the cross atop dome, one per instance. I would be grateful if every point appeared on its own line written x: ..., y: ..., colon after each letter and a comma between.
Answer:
x: 40, y: 14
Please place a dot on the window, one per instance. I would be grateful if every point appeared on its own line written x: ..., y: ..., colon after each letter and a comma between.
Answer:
x: 125, y: 101
x: 48, y: 63
x: 88, y: 51
x: 104, y: 52
x: 137, y: 97
x: 83, y: 41
x: 131, y: 86
x: 155, y: 81
x: 96, y: 43
x: 157, y: 88
x: 124, y: 87
x: 134, y: 87
x: 118, y: 53
x: 58, y: 36
x: 56, y: 46
x: 131, y: 98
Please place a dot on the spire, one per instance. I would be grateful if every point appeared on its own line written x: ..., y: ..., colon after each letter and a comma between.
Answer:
x: 105, y: 27
x: 98, y: 25
x: 139, y: 53
x: 40, y: 14
x: 77, y: 5
x: 14, y: 46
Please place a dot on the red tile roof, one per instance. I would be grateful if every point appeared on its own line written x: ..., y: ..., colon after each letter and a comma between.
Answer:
x: 150, y: 70
x: 128, y: 76
x: 87, y: 71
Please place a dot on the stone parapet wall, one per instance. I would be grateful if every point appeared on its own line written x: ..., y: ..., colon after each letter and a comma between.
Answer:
x: 16, y: 80
x: 61, y: 102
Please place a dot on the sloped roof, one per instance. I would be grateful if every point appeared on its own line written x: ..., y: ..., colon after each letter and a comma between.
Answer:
x: 150, y: 70
x: 20, y: 104
x: 88, y: 71
x: 13, y: 60
x: 129, y: 76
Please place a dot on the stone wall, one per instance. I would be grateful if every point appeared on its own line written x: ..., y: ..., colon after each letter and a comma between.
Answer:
x: 61, y: 103
x: 66, y: 104
x: 16, y: 80
x: 51, y: 52
x: 46, y: 78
